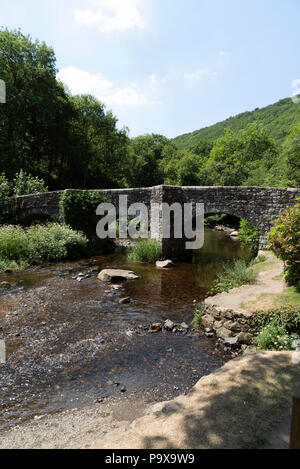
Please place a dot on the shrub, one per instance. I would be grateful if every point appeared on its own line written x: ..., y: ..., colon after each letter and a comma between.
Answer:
x: 234, y: 275
x: 25, y: 184
x: 78, y: 209
x: 284, y: 240
x: 146, y: 251
x: 274, y: 337
x: 21, y: 247
x: 276, y: 329
x: 198, y: 315
x: 249, y: 235
x: 285, y: 316
x: 14, y: 244
x: 53, y: 242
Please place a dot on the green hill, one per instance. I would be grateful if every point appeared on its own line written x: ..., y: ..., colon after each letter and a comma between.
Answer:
x: 277, y: 118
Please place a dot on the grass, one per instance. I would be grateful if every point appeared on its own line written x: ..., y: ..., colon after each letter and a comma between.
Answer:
x: 234, y: 275
x: 21, y: 247
x: 198, y: 315
x: 146, y: 251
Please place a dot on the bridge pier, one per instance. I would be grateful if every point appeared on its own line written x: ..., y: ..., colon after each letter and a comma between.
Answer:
x: 161, y: 220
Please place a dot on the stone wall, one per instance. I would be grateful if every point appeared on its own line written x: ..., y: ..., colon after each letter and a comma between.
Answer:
x: 227, y: 323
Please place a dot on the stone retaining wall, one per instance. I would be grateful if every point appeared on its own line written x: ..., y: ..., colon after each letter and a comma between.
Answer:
x: 227, y: 323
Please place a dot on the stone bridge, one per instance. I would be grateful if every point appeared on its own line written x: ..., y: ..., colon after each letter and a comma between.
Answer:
x: 258, y: 205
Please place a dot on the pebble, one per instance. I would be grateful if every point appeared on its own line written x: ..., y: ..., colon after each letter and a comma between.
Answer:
x: 125, y: 301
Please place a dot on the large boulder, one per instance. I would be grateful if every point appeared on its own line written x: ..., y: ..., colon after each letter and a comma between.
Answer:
x: 116, y: 275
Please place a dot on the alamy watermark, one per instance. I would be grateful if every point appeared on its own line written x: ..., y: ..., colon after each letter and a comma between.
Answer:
x: 2, y: 92
x: 176, y: 221
x: 2, y: 352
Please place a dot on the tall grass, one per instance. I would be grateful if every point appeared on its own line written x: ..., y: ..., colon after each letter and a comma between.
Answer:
x: 234, y: 275
x: 146, y: 251
x: 21, y: 247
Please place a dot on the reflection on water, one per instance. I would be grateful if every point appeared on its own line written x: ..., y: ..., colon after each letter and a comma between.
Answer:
x: 67, y: 341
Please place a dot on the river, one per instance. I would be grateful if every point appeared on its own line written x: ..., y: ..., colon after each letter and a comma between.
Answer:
x: 72, y: 343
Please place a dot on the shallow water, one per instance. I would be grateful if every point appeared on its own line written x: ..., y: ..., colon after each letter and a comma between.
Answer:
x: 69, y: 342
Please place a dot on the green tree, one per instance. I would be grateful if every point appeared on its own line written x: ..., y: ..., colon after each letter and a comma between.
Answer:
x: 33, y: 119
x: 235, y: 156
x: 146, y: 153
x: 102, y: 149
x: 291, y: 152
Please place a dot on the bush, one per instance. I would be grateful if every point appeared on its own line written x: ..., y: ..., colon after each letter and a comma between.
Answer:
x: 284, y: 240
x: 276, y: 329
x: 78, y: 209
x: 25, y: 184
x: 234, y: 275
x: 274, y: 337
x: 146, y: 251
x: 249, y: 235
x: 53, y: 242
x: 14, y: 245
x: 21, y: 247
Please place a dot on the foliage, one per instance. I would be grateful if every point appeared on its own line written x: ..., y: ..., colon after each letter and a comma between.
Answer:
x: 74, y: 142
x: 14, y: 244
x: 24, y: 184
x: 284, y: 240
x: 273, y: 337
x: 276, y: 118
x: 292, y: 155
x: 102, y: 158
x: 21, y: 247
x: 68, y: 141
x: 146, y: 153
x: 276, y: 329
x: 249, y: 235
x: 78, y: 209
x: 214, y: 220
x: 198, y: 315
x: 261, y: 258
x: 53, y: 242
x: 146, y: 251
x: 234, y: 275
x: 5, y: 200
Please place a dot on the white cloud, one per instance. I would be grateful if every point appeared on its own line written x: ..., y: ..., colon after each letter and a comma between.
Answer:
x: 196, y: 75
x: 153, y: 79
x: 111, y: 16
x: 83, y: 82
x: 223, y: 53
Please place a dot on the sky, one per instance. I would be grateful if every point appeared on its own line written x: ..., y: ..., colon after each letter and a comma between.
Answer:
x: 169, y: 66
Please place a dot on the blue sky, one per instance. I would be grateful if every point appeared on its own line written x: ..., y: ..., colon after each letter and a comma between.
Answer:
x: 169, y: 66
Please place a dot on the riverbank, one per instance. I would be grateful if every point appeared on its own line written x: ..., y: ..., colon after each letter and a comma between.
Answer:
x: 249, y: 395
x: 228, y: 315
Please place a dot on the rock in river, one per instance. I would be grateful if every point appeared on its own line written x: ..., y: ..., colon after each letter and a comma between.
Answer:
x: 169, y: 325
x: 125, y: 301
x: 164, y: 264
x: 115, y: 275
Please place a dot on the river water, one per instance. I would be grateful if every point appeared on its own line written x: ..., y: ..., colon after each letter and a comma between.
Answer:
x: 72, y: 343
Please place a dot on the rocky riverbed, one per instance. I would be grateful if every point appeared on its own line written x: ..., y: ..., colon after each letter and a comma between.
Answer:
x: 72, y: 340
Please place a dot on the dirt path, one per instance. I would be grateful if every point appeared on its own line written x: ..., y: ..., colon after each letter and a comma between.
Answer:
x: 250, y: 395
x: 249, y: 297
